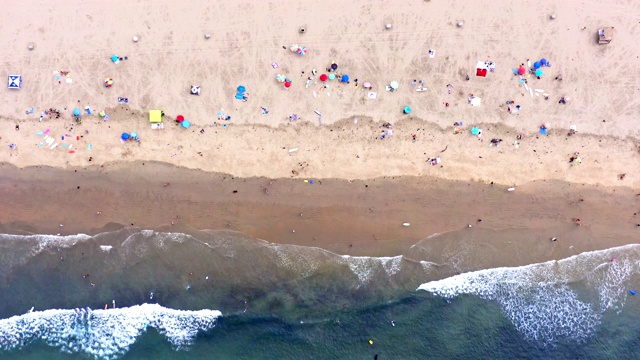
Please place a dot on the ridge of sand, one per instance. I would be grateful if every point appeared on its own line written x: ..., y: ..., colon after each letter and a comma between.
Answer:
x: 342, y: 150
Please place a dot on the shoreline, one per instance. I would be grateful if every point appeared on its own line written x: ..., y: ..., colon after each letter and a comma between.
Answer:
x: 357, y: 218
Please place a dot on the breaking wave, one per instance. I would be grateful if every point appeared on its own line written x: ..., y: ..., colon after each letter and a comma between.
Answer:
x: 555, y: 299
x: 104, y: 334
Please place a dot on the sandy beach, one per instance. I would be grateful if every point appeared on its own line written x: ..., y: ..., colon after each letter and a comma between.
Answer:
x: 70, y: 60
x: 363, y: 179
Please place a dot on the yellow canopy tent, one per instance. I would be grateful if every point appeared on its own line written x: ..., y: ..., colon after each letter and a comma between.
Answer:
x: 155, y: 116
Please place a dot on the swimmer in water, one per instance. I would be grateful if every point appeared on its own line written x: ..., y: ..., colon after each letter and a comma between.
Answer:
x: 393, y: 323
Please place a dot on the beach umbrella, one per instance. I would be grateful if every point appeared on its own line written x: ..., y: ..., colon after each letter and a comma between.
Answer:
x: 536, y: 65
x: 185, y: 124
x: 115, y: 58
x: 543, y: 62
x: 281, y: 78
x: 287, y: 84
x: 407, y: 110
x: 334, y: 66
x: 332, y: 76
x: 521, y: 70
x: 367, y: 85
x: 108, y: 82
x: 76, y: 112
x: 323, y: 77
x: 302, y: 50
x: 134, y: 134
x: 241, y: 89
x: 539, y: 72
x: 475, y: 130
x: 344, y: 78
x: 394, y: 85
x: 294, y: 47
x: 180, y: 118
x: 125, y: 136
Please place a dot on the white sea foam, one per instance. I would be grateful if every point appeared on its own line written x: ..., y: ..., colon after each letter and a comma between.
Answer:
x: 364, y: 267
x: 104, y: 334
x: 42, y: 242
x: 542, y: 300
x: 391, y: 265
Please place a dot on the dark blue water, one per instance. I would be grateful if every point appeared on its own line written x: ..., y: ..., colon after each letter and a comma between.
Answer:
x: 303, y: 303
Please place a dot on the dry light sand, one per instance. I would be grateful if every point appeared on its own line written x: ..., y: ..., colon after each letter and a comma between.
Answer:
x: 603, y: 82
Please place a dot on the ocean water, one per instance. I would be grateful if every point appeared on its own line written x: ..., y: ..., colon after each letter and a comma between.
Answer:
x: 224, y: 295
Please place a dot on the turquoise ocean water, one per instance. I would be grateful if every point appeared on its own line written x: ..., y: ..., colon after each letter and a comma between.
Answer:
x: 224, y: 295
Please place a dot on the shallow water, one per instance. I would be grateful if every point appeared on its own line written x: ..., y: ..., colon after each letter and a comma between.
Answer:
x: 287, y: 301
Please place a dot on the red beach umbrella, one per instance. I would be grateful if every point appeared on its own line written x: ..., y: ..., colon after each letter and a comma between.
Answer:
x: 287, y: 84
x: 521, y: 70
x: 324, y: 77
x: 180, y: 118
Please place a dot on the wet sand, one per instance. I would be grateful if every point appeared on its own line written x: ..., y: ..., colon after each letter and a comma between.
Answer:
x: 346, y: 217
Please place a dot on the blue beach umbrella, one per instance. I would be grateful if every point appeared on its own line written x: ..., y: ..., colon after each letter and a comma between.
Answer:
x: 345, y: 78
x: 332, y: 76
x: 475, y: 130
x: 241, y: 89
x: 134, y: 134
x: 543, y: 61
x: 407, y: 110
x: 125, y: 136
x: 539, y: 72
x: 185, y: 124
x: 76, y: 112
x: 536, y: 65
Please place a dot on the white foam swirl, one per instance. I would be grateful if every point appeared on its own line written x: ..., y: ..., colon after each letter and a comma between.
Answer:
x: 554, y: 299
x: 104, y: 334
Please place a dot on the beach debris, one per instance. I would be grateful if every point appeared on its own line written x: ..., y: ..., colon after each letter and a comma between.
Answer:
x: 372, y: 95
x: 552, y: 16
x: 292, y: 150
x: 31, y: 46
x: 135, y: 38
x: 406, y: 224
x: 511, y: 189
x: 207, y: 35
x: 388, y: 26
x: 460, y: 24
x: 302, y: 29
x: 633, y: 292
